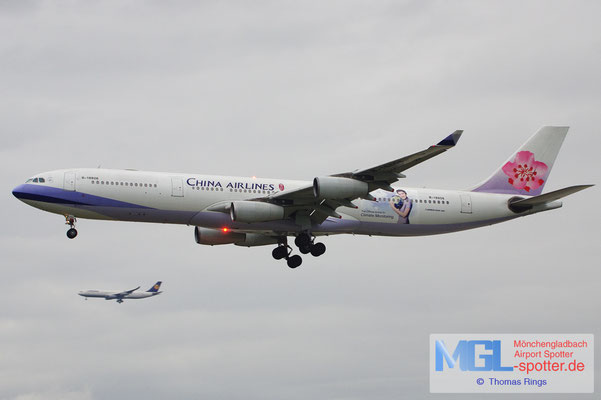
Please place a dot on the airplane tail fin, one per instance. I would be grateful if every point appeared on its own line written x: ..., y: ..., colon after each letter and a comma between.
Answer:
x: 528, y: 169
x: 155, y: 287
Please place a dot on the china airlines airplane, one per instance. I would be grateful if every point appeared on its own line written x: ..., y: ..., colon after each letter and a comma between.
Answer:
x: 256, y: 211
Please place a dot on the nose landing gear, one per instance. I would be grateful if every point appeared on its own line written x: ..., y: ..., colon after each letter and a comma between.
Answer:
x: 72, y: 232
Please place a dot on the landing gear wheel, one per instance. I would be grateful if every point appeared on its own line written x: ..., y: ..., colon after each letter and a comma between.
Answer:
x: 71, y: 233
x: 70, y: 220
x: 318, y: 249
x: 302, y: 240
x: 305, y: 249
x: 280, y: 252
x: 294, y: 261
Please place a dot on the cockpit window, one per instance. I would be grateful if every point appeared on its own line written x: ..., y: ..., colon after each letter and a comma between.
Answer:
x: 29, y: 180
x: 35, y: 180
x: 42, y: 180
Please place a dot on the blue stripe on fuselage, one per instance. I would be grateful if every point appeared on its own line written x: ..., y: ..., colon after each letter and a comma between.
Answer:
x: 54, y: 195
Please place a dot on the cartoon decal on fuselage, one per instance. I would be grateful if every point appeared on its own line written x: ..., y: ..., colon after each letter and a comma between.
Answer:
x: 402, y: 205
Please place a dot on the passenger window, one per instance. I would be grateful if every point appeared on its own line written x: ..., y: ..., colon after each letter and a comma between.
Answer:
x: 42, y: 180
x: 155, y: 185
x: 145, y: 185
x: 135, y: 184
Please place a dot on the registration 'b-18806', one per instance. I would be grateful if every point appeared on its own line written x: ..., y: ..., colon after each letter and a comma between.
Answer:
x: 256, y: 212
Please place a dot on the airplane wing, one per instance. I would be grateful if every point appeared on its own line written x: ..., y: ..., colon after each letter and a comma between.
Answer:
x: 315, y: 202
x: 385, y: 174
x: 380, y: 176
x: 126, y: 292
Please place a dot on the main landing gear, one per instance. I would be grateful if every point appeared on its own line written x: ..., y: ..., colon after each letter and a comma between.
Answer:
x: 72, y: 232
x: 305, y: 244
x: 284, y: 251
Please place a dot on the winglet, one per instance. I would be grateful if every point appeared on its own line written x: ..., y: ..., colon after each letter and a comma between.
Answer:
x: 451, y: 140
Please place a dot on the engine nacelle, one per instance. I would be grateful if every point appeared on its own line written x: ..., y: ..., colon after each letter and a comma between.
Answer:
x: 256, y: 239
x: 255, y: 211
x: 217, y: 236
x: 331, y: 187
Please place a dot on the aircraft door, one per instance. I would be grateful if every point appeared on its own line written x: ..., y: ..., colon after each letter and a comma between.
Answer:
x: 177, y: 187
x: 69, y: 182
x: 466, y: 204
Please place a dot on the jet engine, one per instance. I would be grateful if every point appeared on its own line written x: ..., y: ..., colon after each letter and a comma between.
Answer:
x: 217, y: 236
x: 256, y: 239
x: 255, y: 211
x: 331, y: 187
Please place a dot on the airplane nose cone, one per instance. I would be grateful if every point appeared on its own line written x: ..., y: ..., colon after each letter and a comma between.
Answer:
x: 19, y: 192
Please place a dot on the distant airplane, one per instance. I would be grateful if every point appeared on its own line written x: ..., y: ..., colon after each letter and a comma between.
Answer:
x: 120, y: 296
x: 255, y: 212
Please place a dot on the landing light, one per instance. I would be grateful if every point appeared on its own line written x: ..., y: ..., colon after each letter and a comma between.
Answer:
x: 225, y: 229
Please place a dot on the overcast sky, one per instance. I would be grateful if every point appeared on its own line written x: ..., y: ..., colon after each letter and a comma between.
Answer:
x: 287, y: 89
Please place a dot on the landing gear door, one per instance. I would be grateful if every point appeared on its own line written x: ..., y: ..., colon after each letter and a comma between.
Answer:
x: 466, y: 204
x: 177, y: 187
x: 69, y: 182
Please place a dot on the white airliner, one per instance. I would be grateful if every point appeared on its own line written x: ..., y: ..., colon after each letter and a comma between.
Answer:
x: 126, y: 294
x: 257, y: 211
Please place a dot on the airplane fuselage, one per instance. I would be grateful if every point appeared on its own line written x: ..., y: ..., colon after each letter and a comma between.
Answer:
x: 180, y: 198
x: 111, y: 295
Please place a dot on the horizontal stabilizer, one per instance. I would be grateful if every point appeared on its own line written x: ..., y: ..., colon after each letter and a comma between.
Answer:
x: 526, y: 204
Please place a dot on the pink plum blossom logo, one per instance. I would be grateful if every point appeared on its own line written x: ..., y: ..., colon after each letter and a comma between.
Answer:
x: 281, y: 186
x: 525, y: 173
